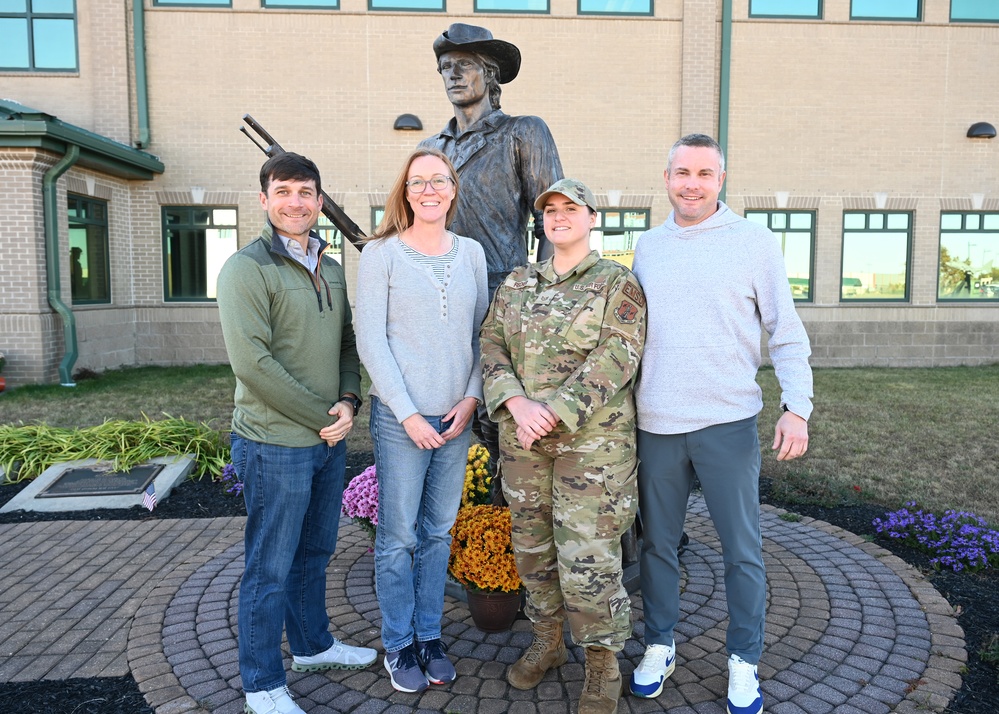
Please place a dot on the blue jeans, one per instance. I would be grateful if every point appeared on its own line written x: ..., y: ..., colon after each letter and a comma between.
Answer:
x: 726, y: 460
x: 293, y: 498
x: 419, y: 491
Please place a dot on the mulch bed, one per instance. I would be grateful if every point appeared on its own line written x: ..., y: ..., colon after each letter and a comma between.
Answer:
x: 973, y: 594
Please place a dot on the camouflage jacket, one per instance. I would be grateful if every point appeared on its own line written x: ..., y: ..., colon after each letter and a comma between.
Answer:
x: 571, y: 341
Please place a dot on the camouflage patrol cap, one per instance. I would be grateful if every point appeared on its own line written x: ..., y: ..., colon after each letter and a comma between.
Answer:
x: 572, y: 189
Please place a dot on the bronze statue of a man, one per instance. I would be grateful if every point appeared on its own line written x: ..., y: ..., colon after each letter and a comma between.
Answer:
x: 504, y: 162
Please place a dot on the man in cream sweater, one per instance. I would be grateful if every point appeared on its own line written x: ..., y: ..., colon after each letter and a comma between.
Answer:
x: 713, y: 282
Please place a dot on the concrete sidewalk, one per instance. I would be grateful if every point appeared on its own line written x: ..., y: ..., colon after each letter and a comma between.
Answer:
x: 850, y: 627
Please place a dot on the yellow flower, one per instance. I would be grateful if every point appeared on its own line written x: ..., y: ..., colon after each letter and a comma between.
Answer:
x: 481, y: 552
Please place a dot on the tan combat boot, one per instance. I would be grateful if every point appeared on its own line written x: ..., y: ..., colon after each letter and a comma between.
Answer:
x: 546, y: 652
x: 602, y: 684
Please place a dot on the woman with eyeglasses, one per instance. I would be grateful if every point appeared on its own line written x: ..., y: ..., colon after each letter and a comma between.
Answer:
x: 421, y: 297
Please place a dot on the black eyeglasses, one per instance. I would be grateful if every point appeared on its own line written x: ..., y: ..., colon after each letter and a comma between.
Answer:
x: 419, y: 185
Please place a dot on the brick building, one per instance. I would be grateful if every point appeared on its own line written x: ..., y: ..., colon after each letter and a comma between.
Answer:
x: 846, y: 124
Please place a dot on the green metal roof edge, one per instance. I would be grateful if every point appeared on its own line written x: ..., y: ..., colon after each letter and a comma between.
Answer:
x: 22, y: 126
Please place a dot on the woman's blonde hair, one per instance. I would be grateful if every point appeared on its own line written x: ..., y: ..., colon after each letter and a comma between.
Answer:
x: 398, y: 213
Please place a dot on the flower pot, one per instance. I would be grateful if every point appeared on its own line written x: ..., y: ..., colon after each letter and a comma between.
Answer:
x: 493, y: 612
x: 3, y: 384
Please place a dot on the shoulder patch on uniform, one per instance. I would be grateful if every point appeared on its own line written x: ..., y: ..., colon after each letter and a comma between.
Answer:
x: 626, y: 313
x: 635, y: 293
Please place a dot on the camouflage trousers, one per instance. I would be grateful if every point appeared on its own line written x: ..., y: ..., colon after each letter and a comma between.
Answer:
x: 571, y: 498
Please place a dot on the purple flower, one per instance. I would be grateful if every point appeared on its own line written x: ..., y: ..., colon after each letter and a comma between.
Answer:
x: 958, y: 540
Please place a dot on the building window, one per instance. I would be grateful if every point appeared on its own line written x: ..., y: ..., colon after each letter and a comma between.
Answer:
x: 38, y: 35
x: 615, y: 7
x: 969, y: 250
x: 332, y: 235
x: 196, y: 242
x: 886, y: 9
x: 785, y: 8
x: 617, y: 230
x: 542, y: 6
x: 89, y: 261
x: 438, y: 5
x: 974, y: 11
x: 876, y: 248
x: 213, y: 3
x: 796, y: 232
x: 377, y: 214
x: 324, y: 4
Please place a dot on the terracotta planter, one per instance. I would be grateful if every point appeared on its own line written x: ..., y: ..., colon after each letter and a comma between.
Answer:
x: 493, y: 612
x: 3, y: 384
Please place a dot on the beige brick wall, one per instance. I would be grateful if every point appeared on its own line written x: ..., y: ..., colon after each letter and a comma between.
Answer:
x: 831, y: 111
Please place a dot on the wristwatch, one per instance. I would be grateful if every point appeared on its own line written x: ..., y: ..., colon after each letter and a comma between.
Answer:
x: 352, y: 401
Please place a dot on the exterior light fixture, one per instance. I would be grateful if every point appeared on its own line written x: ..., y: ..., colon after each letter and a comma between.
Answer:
x: 411, y: 122
x: 982, y: 130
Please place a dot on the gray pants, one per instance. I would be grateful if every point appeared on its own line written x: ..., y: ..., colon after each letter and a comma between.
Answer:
x: 725, y: 458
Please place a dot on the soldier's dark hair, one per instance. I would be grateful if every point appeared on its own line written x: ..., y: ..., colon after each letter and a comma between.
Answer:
x: 702, y: 140
x: 289, y: 167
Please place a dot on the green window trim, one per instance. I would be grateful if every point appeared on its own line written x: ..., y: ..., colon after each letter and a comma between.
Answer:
x: 192, y: 3
x: 967, y: 270
x: 301, y: 4
x: 974, y: 11
x: 197, y: 240
x: 408, y: 5
x: 786, y: 9
x: 332, y: 235
x: 789, y: 227
x: 89, y: 251
x: 541, y: 7
x: 39, y: 36
x: 869, y: 271
x: 894, y: 10
x: 615, y: 7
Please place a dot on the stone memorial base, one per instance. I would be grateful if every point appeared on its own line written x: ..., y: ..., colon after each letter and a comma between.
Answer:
x: 78, y: 492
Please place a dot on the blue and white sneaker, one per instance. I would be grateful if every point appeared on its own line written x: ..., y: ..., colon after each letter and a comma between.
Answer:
x: 404, y: 669
x: 652, y: 672
x: 436, y: 665
x: 744, y: 695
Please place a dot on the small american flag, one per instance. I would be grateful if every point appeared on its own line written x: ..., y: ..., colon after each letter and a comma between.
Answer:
x: 149, y: 497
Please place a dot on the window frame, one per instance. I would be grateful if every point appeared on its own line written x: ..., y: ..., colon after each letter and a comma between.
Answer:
x: 819, y: 7
x: 29, y: 16
x: 812, y: 231
x: 889, y: 18
x: 494, y: 11
x: 372, y: 8
x: 164, y: 227
x: 965, y: 231
x: 75, y: 222
x: 299, y: 5
x: 909, y: 231
x: 615, y: 13
x: 601, y: 226
x: 193, y: 3
x: 951, y: 17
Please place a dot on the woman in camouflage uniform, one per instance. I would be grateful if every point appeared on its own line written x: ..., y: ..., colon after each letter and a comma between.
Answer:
x: 560, y: 350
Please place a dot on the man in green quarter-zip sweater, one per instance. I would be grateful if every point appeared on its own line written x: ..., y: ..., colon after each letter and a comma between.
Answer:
x: 287, y: 328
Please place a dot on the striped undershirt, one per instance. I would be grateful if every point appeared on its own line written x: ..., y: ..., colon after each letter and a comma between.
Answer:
x: 436, y: 263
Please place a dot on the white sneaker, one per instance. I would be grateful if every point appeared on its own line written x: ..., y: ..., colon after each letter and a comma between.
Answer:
x: 274, y: 701
x: 339, y: 656
x: 652, y: 672
x: 744, y: 695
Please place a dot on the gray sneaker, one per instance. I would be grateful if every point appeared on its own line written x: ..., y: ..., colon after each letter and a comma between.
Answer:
x: 437, y: 665
x: 404, y: 669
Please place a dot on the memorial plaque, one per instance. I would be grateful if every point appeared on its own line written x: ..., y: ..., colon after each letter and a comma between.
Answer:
x: 99, y: 480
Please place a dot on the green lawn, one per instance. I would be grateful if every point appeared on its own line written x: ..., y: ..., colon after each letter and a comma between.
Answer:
x: 885, y: 436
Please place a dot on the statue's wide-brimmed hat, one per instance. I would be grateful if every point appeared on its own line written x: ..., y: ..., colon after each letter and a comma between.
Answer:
x: 469, y: 38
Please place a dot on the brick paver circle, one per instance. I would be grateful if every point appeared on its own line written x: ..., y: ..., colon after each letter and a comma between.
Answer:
x: 850, y: 629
